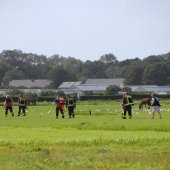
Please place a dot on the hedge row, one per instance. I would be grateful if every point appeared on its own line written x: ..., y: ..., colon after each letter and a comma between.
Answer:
x: 92, y: 97
x: 117, y: 97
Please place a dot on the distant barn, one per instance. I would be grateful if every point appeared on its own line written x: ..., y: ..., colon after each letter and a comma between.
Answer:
x: 90, y: 86
x: 38, y: 83
x: 105, y: 82
x: 69, y: 87
x: 151, y: 88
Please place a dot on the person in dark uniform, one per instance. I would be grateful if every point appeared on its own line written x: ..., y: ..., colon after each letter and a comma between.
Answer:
x: 8, y: 105
x: 22, y: 103
x: 127, y: 103
x: 156, y: 106
x: 71, y: 105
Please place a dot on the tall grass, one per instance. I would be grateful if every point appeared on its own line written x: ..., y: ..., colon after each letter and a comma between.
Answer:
x: 101, y: 140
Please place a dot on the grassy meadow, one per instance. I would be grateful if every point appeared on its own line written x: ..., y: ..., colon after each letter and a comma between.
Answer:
x: 97, y: 138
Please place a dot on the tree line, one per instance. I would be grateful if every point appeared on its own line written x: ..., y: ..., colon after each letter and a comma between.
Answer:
x: 15, y: 64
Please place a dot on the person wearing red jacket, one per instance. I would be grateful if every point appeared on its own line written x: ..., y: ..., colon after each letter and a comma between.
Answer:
x: 59, y: 102
x: 8, y: 105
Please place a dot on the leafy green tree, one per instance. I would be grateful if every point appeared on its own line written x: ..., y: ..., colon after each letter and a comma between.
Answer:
x: 12, y: 74
x: 110, y: 72
x: 112, y: 89
x: 14, y: 92
x: 108, y: 58
x: 72, y: 65
x: 94, y: 69
x: 31, y: 65
x: 14, y: 64
x: 134, y: 74
x: 152, y: 59
x: 47, y: 93
x: 56, y: 61
x: 59, y: 75
x: 156, y: 73
x: 126, y: 89
x: 114, y: 71
x: 4, y: 67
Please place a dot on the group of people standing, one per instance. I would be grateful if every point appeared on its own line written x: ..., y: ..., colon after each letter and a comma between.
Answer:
x: 70, y: 103
x: 127, y: 103
x: 60, y: 103
x: 22, y: 104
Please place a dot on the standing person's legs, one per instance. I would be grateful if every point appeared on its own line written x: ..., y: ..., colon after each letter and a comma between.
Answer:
x: 157, y: 109
x: 129, y: 109
x: 62, y: 112
x: 23, y: 111
x: 57, y: 111
x: 6, y: 111
x: 153, y: 114
x: 124, y: 112
x: 71, y: 111
x: 19, y: 111
x: 11, y: 110
x: 160, y: 114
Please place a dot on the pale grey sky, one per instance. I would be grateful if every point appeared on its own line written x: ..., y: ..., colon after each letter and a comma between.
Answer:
x: 86, y: 29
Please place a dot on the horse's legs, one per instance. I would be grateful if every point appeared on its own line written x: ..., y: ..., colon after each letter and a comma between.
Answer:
x: 145, y: 106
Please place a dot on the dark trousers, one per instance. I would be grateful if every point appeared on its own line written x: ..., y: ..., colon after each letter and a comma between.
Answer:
x: 21, y: 108
x: 61, y: 111
x: 71, y: 111
x: 10, y: 109
x: 127, y: 109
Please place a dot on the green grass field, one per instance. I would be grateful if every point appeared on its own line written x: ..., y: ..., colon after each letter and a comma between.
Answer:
x: 98, y: 141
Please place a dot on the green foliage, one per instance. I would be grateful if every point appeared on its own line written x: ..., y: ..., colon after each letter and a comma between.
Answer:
x: 156, y: 73
x: 101, y: 140
x: 127, y: 89
x: 47, y: 93
x: 134, y: 73
x: 59, y: 75
x: 108, y: 58
x: 14, y: 64
x: 14, y: 92
x: 31, y: 95
x: 112, y: 89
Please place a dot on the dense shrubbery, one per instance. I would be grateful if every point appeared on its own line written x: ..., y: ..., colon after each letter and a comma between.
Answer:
x: 14, y: 64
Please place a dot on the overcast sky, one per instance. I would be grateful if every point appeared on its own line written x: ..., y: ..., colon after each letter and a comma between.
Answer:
x: 86, y: 29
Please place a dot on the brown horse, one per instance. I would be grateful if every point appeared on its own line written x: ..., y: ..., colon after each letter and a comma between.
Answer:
x: 145, y: 102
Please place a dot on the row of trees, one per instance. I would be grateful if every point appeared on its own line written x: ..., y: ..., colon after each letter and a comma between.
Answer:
x: 14, y: 64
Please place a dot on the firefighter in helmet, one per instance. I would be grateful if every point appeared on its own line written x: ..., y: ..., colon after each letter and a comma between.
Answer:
x: 8, y: 105
x: 22, y: 103
x: 127, y: 103
x: 71, y: 105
